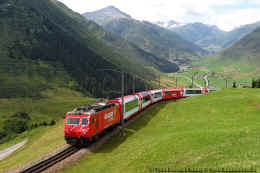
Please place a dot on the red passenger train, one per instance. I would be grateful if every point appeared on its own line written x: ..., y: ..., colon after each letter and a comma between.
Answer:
x: 86, y: 123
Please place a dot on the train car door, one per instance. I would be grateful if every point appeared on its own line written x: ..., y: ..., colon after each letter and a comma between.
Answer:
x: 97, y: 123
x: 140, y: 101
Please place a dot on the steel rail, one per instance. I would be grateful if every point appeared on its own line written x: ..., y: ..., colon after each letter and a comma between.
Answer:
x: 45, y: 164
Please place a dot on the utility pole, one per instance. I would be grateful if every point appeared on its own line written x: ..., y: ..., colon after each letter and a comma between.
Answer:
x: 192, y: 80
x: 103, y: 88
x: 123, y: 105
x: 133, y: 84
x: 226, y: 83
x: 122, y: 98
x: 159, y: 81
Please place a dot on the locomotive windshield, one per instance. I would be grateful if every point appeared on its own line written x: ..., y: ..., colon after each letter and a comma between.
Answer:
x: 84, y: 121
x: 146, y: 98
x: 73, y: 121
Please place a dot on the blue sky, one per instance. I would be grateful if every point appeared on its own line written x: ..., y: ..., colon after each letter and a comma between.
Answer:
x: 226, y: 14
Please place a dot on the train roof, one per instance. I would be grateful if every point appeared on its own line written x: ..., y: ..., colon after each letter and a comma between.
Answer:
x: 143, y: 92
x: 91, y: 108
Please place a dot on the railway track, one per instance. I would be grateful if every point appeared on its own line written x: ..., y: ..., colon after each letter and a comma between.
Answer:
x: 43, y: 165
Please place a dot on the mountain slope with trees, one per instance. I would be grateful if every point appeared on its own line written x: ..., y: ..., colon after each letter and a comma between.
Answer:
x: 205, y: 36
x: 44, y: 45
x: 241, y: 61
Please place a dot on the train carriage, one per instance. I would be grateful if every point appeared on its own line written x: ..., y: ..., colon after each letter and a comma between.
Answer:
x: 189, y: 92
x: 132, y: 105
x: 212, y: 89
x: 172, y: 93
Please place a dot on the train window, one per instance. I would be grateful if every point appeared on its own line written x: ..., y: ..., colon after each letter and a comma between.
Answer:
x: 73, y: 121
x: 193, y: 92
x: 174, y: 94
x: 131, y: 105
x: 146, y: 98
x: 157, y: 95
x: 167, y: 93
x: 84, y: 121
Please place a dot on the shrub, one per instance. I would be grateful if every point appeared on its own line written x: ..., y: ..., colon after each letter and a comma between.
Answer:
x: 22, y: 115
x: 15, y: 126
x: 254, y: 83
x: 44, y: 123
x: 234, y: 84
x: 52, y: 123
x: 2, y: 135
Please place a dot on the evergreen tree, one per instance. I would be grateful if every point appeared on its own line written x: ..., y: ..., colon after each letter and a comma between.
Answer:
x: 258, y: 83
x: 254, y: 83
x: 234, y: 84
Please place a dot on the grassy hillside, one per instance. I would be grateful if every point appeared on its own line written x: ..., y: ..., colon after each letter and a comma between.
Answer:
x: 53, y: 107
x: 37, y: 140
x: 218, y: 130
x: 241, y: 61
x: 40, y: 112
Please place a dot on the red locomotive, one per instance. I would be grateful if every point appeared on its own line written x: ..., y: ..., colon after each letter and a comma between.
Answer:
x: 86, y: 123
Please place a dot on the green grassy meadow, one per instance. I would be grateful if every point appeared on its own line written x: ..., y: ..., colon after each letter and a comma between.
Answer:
x: 217, y: 130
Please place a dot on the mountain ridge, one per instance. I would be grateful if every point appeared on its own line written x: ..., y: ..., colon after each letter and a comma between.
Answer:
x: 104, y: 15
x: 210, y: 37
x: 150, y: 37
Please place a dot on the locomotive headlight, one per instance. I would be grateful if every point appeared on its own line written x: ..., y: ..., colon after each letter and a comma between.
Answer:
x: 84, y: 132
x: 67, y: 132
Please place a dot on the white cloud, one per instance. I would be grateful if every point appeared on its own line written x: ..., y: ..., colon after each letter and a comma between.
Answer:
x: 179, y: 10
x: 237, y: 18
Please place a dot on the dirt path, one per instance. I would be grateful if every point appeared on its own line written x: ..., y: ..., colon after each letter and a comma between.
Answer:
x: 8, y: 151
